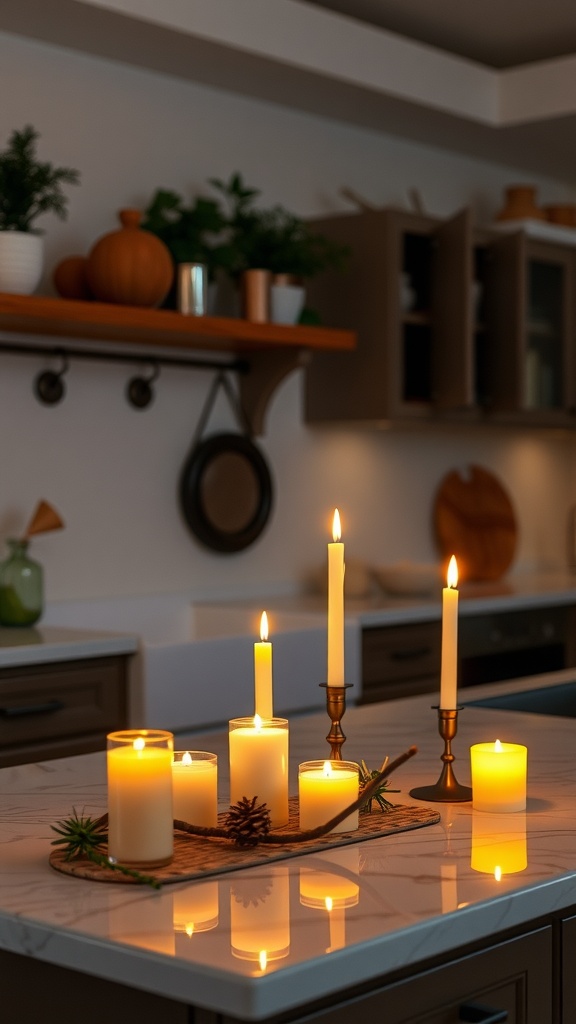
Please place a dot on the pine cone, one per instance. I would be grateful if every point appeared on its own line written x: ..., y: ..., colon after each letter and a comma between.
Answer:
x: 247, y: 822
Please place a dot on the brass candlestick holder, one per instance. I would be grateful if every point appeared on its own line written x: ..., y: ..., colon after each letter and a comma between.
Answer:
x: 447, y: 789
x: 336, y: 707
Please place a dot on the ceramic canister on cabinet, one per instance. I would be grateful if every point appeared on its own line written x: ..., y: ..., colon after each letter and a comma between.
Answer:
x: 130, y: 266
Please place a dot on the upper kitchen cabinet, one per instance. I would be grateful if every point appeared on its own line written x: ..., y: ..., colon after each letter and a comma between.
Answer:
x: 409, y: 294
x: 531, y: 329
x: 453, y: 323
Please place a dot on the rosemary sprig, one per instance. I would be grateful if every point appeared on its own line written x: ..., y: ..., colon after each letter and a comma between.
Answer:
x: 83, y: 836
x: 366, y: 776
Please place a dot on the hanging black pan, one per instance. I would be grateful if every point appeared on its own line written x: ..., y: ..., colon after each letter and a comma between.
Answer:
x: 226, y: 491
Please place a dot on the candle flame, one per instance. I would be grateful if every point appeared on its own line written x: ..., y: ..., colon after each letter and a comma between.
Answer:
x: 498, y: 873
x: 452, y: 575
x: 262, y: 959
x: 327, y: 770
x: 139, y: 743
x: 264, y: 626
x: 497, y: 747
x: 257, y: 723
x: 328, y: 903
x: 336, y: 529
x: 189, y: 929
x: 186, y: 758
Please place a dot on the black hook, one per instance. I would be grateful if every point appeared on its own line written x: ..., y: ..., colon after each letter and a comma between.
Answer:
x: 139, y: 390
x: 49, y: 386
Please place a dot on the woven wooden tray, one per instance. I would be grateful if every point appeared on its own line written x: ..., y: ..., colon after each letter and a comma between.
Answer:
x: 196, y: 858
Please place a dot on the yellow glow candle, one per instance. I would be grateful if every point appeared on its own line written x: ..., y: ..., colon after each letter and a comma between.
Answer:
x: 195, y: 787
x: 449, y: 670
x: 498, y: 844
x: 195, y: 908
x: 263, y: 673
x: 258, y: 752
x: 139, y: 766
x: 336, y: 606
x: 498, y: 776
x: 325, y: 788
x: 260, y: 929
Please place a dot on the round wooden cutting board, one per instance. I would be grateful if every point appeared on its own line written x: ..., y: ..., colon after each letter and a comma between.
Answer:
x: 474, y: 519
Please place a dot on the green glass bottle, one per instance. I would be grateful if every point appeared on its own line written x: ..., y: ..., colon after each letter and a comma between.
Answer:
x: 21, y: 587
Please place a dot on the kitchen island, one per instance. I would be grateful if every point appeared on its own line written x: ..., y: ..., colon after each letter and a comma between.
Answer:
x: 414, y: 905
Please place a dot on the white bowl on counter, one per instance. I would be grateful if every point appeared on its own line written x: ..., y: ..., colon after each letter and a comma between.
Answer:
x: 410, y: 579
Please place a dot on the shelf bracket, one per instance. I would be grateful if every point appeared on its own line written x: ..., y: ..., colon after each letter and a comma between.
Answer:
x: 266, y: 371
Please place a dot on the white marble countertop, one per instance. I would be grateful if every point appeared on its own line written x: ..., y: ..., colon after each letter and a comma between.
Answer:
x: 417, y: 893
x: 35, y: 645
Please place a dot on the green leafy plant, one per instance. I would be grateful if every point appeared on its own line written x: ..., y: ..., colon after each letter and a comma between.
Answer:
x: 191, y: 233
x: 84, y: 837
x: 29, y: 187
x: 272, y: 239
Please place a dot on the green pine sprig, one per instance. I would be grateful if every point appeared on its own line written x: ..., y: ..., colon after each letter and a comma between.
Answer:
x: 366, y: 776
x: 83, y: 836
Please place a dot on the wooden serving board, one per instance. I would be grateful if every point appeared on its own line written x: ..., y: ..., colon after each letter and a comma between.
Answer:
x: 474, y: 519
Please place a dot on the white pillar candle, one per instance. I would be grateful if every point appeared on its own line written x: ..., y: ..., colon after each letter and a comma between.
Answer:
x: 336, y: 606
x: 195, y: 787
x: 498, y: 776
x: 449, y: 670
x: 259, y: 763
x: 325, y: 788
x: 263, y: 702
x: 139, y: 765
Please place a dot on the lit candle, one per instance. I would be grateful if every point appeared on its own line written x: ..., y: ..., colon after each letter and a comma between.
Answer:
x: 333, y: 891
x: 259, y: 763
x: 498, y: 844
x: 448, y: 677
x: 195, y: 787
x: 498, y: 776
x: 263, y: 672
x: 195, y: 908
x: 139, y: 766
x: 325, y: 788
x: 336, y: 606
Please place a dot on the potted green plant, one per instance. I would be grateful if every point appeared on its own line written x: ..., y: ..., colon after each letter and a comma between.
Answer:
x: 275, y: 243
x: 28, y: 189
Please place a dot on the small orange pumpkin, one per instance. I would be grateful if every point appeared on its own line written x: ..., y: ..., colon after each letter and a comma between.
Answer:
x: 130, y: 266
x: 70, y: 280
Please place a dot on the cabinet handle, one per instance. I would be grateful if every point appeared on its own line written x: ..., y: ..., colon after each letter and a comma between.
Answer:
x: 410, y: 653
x: 32, y: 709
x: 474, y: 1013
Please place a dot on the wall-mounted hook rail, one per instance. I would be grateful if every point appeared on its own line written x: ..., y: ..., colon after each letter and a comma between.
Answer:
x: 49, y: 386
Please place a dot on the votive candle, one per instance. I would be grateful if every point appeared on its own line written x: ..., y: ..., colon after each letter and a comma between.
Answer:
x: 195, y: 787
x: 325, y: 788
x: 498, y: 776
x: 140, y: 816
x: 258, y: 750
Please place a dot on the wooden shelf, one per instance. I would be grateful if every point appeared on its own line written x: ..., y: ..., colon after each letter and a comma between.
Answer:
x: 69, y: 318
x: 271, y: 350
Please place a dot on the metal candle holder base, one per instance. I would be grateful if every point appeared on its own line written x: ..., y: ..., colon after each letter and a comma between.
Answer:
x: 447, y: 789
x: 336, y: 707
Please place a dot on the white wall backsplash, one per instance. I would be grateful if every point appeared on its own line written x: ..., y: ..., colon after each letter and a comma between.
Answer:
x: 112, y: 471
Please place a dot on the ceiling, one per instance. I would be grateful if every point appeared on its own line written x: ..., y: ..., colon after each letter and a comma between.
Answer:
x: 497, y: 33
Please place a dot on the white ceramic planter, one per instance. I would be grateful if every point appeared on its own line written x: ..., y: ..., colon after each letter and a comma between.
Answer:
x: 21, y: 262
x: 286, y: 303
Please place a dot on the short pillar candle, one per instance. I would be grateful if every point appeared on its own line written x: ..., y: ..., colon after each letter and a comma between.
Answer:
x: 325, y: 788
x: 258, y: 749
x: 140, y: 817
x: 498, y: 776
x: 195, y: 787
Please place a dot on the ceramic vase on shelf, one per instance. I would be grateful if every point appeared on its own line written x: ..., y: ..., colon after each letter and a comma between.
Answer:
x: 521, y: 204
x: 21, y: 262
x: 287, y: 298
x: 21, y: 587
x: 130, y: 266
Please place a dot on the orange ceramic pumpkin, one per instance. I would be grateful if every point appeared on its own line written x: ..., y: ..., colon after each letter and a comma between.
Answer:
x: 130, y: 266
x: 70, y: 280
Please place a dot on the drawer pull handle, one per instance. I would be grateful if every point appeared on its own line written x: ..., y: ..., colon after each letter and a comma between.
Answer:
x: 410, y: 653
x: 32, y: 709
x: 474, y: 1013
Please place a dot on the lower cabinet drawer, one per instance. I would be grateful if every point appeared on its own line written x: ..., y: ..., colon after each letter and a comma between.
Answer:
x: 68, y: 707
x: 400, y: 660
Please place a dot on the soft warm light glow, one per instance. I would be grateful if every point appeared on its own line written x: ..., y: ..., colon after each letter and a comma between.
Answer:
x: 189, y: 929
x: 336, y: 529
x: 328, y: 903
x: 139, y: 743
x: 262, y: 959
x: 264, y: 626
x: 186, y: 758
x: 327, y: 770
x: 498, y: 873
x: 497, y: 747
x: 257, y: 723
x: 452, y: 575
